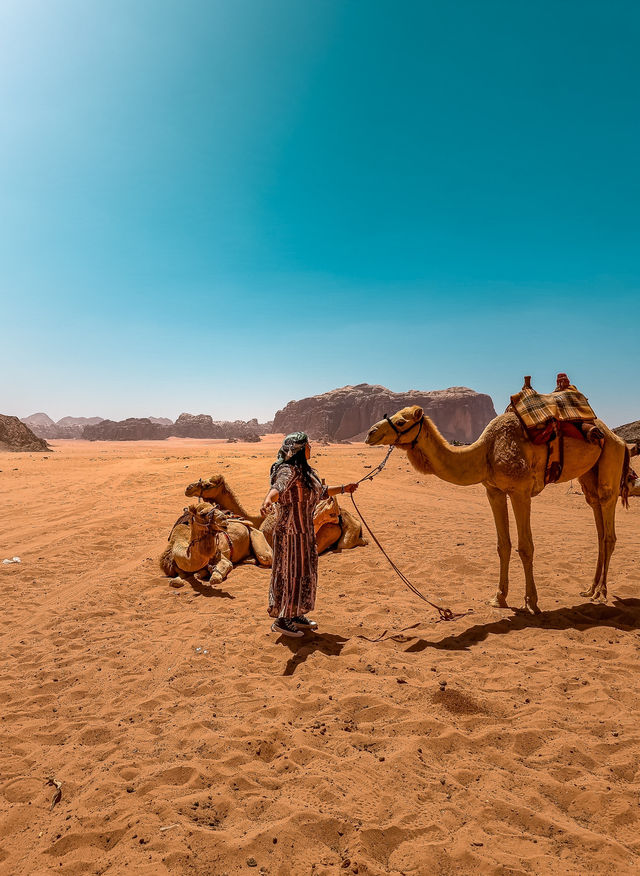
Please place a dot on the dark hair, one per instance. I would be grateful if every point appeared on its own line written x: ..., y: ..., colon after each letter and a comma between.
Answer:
x: 299, y: 461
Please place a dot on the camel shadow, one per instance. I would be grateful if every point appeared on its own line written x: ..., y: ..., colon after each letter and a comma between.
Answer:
x: 623, y: 615
x: 204, y: 589
x: 325, y: 643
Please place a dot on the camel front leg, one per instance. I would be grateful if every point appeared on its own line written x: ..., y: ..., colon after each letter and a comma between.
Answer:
x: 521, y: 505
x: 498, y: 501
x: 220, y: 571
x: 589, y: 484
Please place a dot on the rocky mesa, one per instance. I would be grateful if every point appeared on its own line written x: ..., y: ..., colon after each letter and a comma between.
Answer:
x: 347, y: 413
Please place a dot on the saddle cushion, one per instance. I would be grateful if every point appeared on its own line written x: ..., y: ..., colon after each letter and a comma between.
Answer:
x: 535, y: 410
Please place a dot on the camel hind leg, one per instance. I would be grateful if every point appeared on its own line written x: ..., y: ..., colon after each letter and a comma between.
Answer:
x: 610, y: 471
x: 589, y: 484
x: 498, y: 502
x: 351, y: 533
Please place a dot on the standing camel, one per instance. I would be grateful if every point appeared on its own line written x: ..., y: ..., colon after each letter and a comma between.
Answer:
x: 506, y: 463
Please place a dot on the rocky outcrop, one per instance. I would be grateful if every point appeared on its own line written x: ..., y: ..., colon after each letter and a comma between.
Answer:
x: 629, y: 432
x: 195, y: 426
x: 204, y: 426
x: 347, y: 413
x: 17, y: 437
x: 132, y: 429
x: 161, y: 421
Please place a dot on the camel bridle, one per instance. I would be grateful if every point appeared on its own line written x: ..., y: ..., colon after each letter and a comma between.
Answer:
x: 399, y: 432
x: 209, y: 525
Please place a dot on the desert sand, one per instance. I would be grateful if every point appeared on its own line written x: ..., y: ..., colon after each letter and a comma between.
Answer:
x: 189, y: 739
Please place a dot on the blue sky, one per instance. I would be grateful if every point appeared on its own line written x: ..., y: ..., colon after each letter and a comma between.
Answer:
x: 221, y: 206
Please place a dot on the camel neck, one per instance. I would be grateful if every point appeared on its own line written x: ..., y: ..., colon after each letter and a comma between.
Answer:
x: 457, y: 465
x: 232, y: 504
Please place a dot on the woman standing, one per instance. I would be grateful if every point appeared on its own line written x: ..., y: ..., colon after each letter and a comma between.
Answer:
x: 296, y: 488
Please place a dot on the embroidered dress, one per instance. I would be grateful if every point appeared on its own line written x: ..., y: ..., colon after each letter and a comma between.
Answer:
x: 294, y: 574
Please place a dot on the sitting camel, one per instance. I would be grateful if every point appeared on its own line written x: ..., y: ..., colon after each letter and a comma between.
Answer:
x: 206, y: 538
x: 508, y: 464
x: 328, y: 516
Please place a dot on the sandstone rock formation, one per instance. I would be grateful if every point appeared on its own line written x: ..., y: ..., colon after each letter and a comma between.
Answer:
x: 204, y: 426
x: 186, y: 426
x: 132, y: 429
x: 347, y: 413
x: 161, y: 421
x: 629, y: 432
x: 17, y: 436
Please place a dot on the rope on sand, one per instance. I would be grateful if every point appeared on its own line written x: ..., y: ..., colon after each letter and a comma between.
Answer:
x: 445, y: 613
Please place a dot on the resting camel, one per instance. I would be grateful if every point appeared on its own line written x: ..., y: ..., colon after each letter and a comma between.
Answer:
x: 335, y: 527
x: 506, y: 463
x: 205, y: 538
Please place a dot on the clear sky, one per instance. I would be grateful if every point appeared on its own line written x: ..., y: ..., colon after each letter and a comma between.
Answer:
x: 221, y: 205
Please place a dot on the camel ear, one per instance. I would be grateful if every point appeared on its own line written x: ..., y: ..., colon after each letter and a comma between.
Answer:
x: 418, y: 414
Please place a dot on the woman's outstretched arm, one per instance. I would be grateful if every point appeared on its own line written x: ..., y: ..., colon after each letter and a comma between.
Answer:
x: 343, y: 488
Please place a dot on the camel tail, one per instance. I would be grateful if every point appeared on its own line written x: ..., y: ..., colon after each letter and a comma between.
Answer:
x: 166, y: 562
x: 624, y: 480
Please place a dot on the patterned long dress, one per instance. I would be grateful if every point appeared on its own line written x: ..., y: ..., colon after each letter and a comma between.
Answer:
x: 294, y: 574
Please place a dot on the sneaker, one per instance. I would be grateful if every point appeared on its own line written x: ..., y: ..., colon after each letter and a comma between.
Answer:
x: 304, y: 623
x: 285, y: 627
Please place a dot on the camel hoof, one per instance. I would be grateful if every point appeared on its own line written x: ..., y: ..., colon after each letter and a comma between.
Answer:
x: 216, y: 578
x: 498, y: 601
x: 176, y: 582
x: 587, y: 593
x: 532, y: 608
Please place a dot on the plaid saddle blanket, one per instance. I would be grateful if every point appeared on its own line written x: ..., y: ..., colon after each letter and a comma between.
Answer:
x: 535, y: 410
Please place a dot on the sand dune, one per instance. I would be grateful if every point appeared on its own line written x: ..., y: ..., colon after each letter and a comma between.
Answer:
x: 188, y: 739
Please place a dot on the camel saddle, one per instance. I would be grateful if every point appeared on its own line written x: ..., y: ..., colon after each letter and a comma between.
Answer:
x: 548, y: 419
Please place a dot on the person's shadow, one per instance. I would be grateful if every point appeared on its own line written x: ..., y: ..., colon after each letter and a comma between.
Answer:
x: 624, y: 614
x: 326, y: 643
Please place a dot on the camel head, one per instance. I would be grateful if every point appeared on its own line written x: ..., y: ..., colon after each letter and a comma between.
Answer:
x: 207, y: 516
x: 210, y: 488
x: 401, y: 429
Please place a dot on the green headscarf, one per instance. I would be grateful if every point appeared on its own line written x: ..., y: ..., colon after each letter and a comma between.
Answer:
x: 291, y: 445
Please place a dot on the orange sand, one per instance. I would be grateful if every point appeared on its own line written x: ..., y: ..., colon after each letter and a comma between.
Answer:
x: 329, y: 755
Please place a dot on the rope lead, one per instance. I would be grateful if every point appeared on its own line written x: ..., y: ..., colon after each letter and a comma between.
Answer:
x: 445, y: 613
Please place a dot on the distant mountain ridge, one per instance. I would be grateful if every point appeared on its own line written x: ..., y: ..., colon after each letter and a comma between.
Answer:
x: 68, y: 427
x: 186, y: 426
x: 341, y: 414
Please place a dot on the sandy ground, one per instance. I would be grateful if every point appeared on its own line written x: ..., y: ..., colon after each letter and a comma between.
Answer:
x: 333, y: 754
